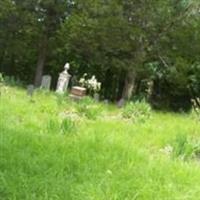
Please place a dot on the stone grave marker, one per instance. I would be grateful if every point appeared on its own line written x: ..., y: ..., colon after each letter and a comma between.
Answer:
x: 46, y: 82
x: 63, y: 80
x: 96, y: 97
x: 106, y: 101
x: 121, y: 103
x: 77, y: 92
x: 30, y: 90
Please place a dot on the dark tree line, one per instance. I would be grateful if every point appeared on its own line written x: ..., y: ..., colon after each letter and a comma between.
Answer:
x: 129, y: 45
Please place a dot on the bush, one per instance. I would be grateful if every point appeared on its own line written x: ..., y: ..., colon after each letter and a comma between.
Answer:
x: 12, y: 81
x: 184, y: 148
x: 137, y: 111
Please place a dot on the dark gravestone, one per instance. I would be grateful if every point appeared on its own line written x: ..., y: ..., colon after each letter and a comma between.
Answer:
x: 121, y: 103
x: 46, y: 82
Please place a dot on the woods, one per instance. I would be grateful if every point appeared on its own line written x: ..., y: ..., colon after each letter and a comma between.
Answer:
x: 128, y: 45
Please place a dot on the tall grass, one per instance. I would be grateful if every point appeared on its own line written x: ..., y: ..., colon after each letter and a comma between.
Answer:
x: 42, y: 159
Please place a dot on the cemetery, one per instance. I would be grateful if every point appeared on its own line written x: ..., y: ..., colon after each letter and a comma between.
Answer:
x: 64, y: 144
x: 99, y: 100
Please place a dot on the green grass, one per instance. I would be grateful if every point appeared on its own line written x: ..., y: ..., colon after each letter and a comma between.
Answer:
x: 50, y: 149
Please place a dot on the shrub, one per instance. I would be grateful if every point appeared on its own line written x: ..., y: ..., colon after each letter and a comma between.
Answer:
x: 12, y: 81
x: 184, y: 148
x: 137, y: 111
x: 92, y: 85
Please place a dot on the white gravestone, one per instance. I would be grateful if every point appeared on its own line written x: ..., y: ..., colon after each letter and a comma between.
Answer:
x: 63, y: 80
x: 46, y: 82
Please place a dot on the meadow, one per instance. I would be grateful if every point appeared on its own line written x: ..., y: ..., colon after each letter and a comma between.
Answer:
x: 52, y: 148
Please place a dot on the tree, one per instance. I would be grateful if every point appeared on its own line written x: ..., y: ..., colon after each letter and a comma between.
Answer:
x: 124, y: 43
x: 36, y: 22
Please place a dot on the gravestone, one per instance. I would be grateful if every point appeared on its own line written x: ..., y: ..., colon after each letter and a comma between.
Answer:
x: 30, y: 90
x: 77, y: 93
x: 96, y: 97
x: 63, y: 80
x: 106, y: 101
x: 46, y: 82
x: 121, y: 103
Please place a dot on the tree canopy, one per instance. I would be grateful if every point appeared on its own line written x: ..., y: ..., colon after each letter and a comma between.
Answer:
x: 126, y: 43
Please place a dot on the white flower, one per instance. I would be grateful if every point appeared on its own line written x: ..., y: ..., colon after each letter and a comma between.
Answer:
x: 91, y: 83
x: 82, y: 80
x: 93, y: 77
x: 99, y: 85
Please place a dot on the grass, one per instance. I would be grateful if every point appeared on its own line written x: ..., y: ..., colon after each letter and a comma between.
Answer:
x: 49, y: 150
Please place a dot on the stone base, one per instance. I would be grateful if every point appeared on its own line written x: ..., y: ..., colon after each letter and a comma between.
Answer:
x: 75, y: 97
x: 78, y: 91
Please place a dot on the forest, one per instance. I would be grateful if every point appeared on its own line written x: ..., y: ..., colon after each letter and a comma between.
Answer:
x: 137, y: 49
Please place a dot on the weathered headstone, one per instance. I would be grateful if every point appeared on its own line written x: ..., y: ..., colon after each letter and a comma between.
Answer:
x: 46, y: 82
x: 96, y: 97
x: 121, y: 103
x: 30, y: 90
x: 63, y: 80
x: 106, y: 101
x: 77, y: 92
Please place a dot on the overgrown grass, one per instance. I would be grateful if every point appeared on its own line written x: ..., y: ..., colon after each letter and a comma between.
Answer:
x: 50, y: 149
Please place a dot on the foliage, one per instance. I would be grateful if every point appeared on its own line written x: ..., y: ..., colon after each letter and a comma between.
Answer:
x: 137, y: 111
x: 13, y: 81
x: 91, y: 84
x: 196, y: 108
x: 118, y: 41
x: 184, y: 148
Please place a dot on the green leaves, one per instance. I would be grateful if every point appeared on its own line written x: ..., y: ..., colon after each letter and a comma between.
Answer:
x: 155, y: 39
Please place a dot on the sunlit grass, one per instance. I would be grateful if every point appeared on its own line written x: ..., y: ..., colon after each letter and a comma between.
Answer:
x: 49, y: 150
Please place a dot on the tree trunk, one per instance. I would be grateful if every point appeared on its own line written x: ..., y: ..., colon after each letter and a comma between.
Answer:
x: 40, y: 62
x: 129, y: 85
